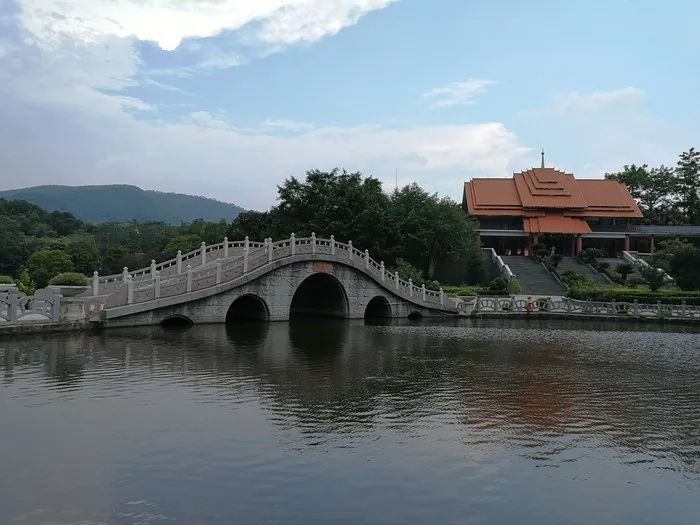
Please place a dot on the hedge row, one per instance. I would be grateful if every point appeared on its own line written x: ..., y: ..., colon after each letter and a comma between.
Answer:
x: 628, y: 295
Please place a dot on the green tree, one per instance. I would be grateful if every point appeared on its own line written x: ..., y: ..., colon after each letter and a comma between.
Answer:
x: 653, y: 189
x: 45, y: 264
x: 624, y: 270
x: 185, y: 243
x: 84, y: 254
x: 653, y: 277
x: 688, y: 183
x: 684, y: 265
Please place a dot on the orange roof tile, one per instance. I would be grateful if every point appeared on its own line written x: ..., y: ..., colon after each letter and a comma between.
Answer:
x: 555, y: 223
x: 533, y: 192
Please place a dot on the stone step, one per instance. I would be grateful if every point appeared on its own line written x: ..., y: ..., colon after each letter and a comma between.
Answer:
x: 533, y: 277
x: 584, y: 270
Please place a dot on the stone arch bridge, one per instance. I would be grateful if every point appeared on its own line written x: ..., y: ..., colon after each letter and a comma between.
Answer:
x: 262, y: 280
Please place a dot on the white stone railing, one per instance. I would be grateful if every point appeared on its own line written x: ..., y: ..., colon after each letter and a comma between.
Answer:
x: 254, y: 256
x: 635, y: 259
x: 503, y: 268
x: 43, y: 306
x: 568, y: 306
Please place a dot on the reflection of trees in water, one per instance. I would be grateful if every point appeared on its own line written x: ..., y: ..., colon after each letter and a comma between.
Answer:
x: 529, y: 387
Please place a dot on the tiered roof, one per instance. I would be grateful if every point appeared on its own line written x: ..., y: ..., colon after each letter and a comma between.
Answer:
x: 549, y: 200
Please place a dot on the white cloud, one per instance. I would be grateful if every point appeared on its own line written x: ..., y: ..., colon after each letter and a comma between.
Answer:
x: 168, y: 22
x: 577, y: 102
x: 458, y: 93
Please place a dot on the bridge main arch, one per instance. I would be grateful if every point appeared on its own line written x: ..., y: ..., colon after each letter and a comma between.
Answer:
x: 320, y: 295
x: 248, y: 307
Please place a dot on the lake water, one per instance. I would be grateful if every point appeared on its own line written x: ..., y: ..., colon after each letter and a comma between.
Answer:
x: 346, y: 422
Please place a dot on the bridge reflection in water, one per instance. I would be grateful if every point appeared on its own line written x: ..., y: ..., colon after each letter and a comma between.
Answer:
x: 257, y: 419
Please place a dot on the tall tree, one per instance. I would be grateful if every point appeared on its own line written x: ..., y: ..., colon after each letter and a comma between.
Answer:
x: 688, y: 181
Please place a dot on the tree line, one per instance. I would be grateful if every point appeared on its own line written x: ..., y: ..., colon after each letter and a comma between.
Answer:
x: 666, y: 195
x: 418, y: 232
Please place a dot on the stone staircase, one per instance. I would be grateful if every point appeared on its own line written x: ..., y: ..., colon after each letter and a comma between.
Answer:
x: 584, y: 270
x: 534, y: 278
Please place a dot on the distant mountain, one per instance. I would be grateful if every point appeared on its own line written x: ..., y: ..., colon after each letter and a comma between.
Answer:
x: 121, y: 202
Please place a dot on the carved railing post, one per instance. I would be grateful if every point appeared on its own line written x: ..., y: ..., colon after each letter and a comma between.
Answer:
x: 367, y: 259
x: 203, y: 248
x: 442, y: 297
x: 125, y: 274
x: 423, y: 291
x: 189, y: 278
x: 218, y: 272
x: 381, y: 269
x: 292, y: 243
x: 153, y: 268
x: 476, y: 303
x: 12, y: 304
x: 683, y: 310
x: 659, y: 310
x: 225, y: 247
x: 56, y: 308
x: 270, y: 249
x: 129, y: 290
x: 396, y: 280
x: 313, y: 242
x: 95, y: 284
x: 156, y: 287
x: 410, y: 287
x: 350, y: 249
x: 332, y: 245
x: 246, y: 243
x: 178, y: 259
x: 636, y: 308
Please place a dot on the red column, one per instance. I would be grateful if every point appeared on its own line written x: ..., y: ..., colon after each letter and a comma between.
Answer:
x: 573, y: 246
x: 579, y: 243
x: 627, y: 243
x: 535, y: 238
x: 651, y: 244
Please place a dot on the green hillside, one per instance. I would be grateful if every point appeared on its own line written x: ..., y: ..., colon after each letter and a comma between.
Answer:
x: 123, y: 202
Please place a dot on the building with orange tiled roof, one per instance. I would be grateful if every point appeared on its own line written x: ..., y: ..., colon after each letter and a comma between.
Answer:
x: 545, y: 204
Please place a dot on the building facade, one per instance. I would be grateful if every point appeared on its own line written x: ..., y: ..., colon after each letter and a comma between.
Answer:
x: 551, y: 206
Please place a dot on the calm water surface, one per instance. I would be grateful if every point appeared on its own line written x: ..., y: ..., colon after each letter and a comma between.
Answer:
x: 318, y: 422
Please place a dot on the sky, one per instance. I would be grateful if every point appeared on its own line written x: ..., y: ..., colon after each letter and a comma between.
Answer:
x: 227, y: 98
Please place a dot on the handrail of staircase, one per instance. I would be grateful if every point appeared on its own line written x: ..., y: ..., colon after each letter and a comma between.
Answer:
x: 502, y: 266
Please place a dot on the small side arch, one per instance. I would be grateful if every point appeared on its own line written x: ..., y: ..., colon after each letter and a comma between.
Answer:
x: 378, y: 308
x: 415, y: 315
x: 176, y: 321
x: 248, y: 307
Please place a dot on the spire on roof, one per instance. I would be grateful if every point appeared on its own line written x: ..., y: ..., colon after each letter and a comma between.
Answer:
x: 542, y: 158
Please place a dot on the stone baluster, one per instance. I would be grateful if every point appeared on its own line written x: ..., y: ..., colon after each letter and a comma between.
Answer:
x: 12, y: 304
x: 125, y: 274
x: 659, y: 310
x: 410, y: 287
x: 56, y: 308
x: 178, y: 259
x: 332, y: 245
x: 381, y: 269
x: 246, y: 243
x: 203, y: 248
x: 292, y: 243
x: 153, y: 268
x: 396, y: 280
x: 423, y: 291
x: 156, y: 287
x: 218, y: 272
x: 270, y: 249
x: 95, y: 284
x: 350, y: 250
x: 683, y: 310
x: 367, y: 259
x: 189, y: 278
x: 636, y: 308
x: 129, y: 290
x: 313, y: 242
x: 442, y: 297
x: 225, y: 247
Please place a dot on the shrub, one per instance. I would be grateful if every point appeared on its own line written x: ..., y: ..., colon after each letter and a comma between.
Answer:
x: 514, y: 286
x: 539, y: 250
x: 653, y: 277
x: 603, y: 265
x: 6, y: 279
x: 69, y: 279
x: 589, y: 255
x: 499, y: 284
x: 628, y: 295
x: 555, y: 259
x: 685, y: 268
x: 624, y: 270
x: 44, y: 264
x: 408, y: 271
